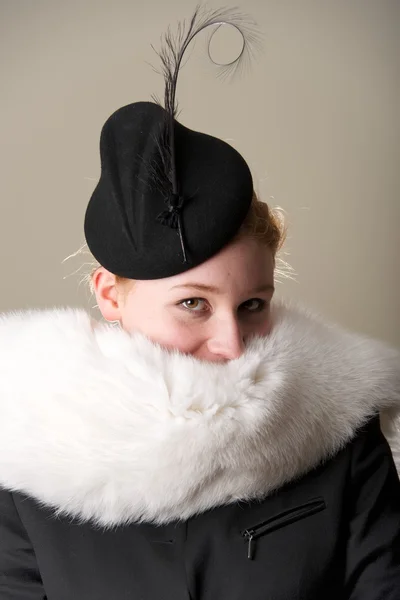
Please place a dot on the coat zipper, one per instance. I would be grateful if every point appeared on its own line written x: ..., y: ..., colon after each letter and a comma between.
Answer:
x: 285, y: 518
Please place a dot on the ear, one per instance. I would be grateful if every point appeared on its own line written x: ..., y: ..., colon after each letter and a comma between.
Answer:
x: 108, y: 299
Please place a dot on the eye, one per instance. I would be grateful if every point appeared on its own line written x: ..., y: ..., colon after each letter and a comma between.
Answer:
x: 254, y: 305
x: 193, y: 304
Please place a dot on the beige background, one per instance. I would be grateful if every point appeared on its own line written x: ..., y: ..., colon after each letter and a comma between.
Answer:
x: 317, y: 117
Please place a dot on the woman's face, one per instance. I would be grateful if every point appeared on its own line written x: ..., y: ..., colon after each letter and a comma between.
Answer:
x: 209, y: 311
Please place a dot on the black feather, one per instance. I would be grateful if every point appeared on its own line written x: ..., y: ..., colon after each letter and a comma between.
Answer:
x: 173, y: 48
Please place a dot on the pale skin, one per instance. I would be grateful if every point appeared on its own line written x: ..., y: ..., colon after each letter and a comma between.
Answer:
x: 209, y: 311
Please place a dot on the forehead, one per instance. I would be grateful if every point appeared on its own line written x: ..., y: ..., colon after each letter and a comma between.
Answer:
x: 244, y: 264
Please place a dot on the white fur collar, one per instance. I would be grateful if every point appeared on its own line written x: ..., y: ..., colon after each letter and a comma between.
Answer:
x: 108, y: 427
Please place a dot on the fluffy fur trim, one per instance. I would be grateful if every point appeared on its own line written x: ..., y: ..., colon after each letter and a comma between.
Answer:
x: 112, y: 428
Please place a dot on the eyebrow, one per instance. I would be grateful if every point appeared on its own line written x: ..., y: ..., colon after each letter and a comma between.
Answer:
x: 215, y: 290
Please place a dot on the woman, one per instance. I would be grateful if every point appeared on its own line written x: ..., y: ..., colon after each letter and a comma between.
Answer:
x: 214, y: 445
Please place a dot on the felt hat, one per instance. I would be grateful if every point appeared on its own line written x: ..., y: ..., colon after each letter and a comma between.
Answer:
x: 168, y: 198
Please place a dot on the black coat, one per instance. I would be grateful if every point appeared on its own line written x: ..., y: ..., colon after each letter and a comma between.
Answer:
x: 333, y: 535
x: 127, y: 472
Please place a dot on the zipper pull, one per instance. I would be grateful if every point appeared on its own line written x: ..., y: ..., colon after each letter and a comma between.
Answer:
x: 249, y: 534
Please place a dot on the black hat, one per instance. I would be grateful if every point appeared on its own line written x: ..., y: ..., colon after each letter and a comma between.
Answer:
x: 168, y: 197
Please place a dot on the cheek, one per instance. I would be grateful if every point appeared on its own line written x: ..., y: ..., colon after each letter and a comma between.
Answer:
x: 266, y: 329
x: 162, y: 327
x: 262, y: 327
x: 266, y: 326
x: 179, y: 337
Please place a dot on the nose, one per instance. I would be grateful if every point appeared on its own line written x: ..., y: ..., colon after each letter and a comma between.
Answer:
x: 226, y: 341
